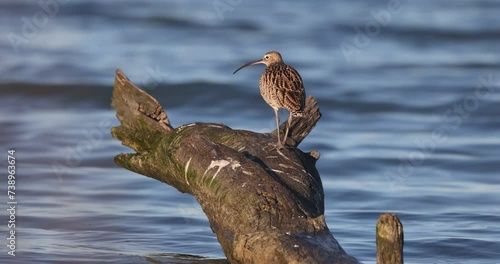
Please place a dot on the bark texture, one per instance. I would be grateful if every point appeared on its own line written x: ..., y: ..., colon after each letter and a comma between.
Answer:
x: 389, y: 240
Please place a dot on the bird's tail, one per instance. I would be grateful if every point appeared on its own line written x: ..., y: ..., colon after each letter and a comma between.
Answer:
x: 299, y: 113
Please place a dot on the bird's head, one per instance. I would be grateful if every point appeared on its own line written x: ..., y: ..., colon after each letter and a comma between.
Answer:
x: 269, y: 58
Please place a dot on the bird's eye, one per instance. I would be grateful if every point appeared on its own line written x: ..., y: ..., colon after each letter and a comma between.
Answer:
x: 266, y: 57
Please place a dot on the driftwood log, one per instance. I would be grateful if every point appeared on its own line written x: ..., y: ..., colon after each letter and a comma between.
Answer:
x: 265, y: 205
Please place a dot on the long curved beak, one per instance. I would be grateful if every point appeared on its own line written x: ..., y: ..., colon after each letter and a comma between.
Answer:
x: 249, y: 64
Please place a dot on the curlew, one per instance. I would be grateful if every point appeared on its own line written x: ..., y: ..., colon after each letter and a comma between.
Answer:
x: 281, y: 87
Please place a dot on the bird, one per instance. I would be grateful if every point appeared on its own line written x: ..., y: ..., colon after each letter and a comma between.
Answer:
x: 281, y: 87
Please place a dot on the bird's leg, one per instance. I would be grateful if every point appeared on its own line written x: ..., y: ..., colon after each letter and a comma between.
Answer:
x: 277, y: 126
x: 287, y: 128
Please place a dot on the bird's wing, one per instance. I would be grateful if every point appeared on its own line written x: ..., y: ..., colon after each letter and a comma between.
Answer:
x: 293, y: 89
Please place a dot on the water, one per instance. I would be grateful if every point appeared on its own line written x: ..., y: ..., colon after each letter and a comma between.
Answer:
x: 410, y: 120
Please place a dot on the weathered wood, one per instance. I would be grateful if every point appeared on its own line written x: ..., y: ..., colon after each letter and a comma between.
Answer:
x: 265, y: 205
x: 390, y: 240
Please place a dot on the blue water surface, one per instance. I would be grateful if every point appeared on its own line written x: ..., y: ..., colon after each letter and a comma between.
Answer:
x: 409, y: 92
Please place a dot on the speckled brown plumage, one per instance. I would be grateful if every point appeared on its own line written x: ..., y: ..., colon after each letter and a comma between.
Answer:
x: 281, y: 87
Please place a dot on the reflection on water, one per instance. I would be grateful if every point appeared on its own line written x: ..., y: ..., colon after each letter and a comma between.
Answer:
x: 410, y: 125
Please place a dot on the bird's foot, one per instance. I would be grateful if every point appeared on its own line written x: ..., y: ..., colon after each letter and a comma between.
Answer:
x: 276, y: 146
x: 271, y: 147
x: 279, y: 145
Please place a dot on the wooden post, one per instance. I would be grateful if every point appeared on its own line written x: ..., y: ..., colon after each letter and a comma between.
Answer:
x: 390, y: 240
